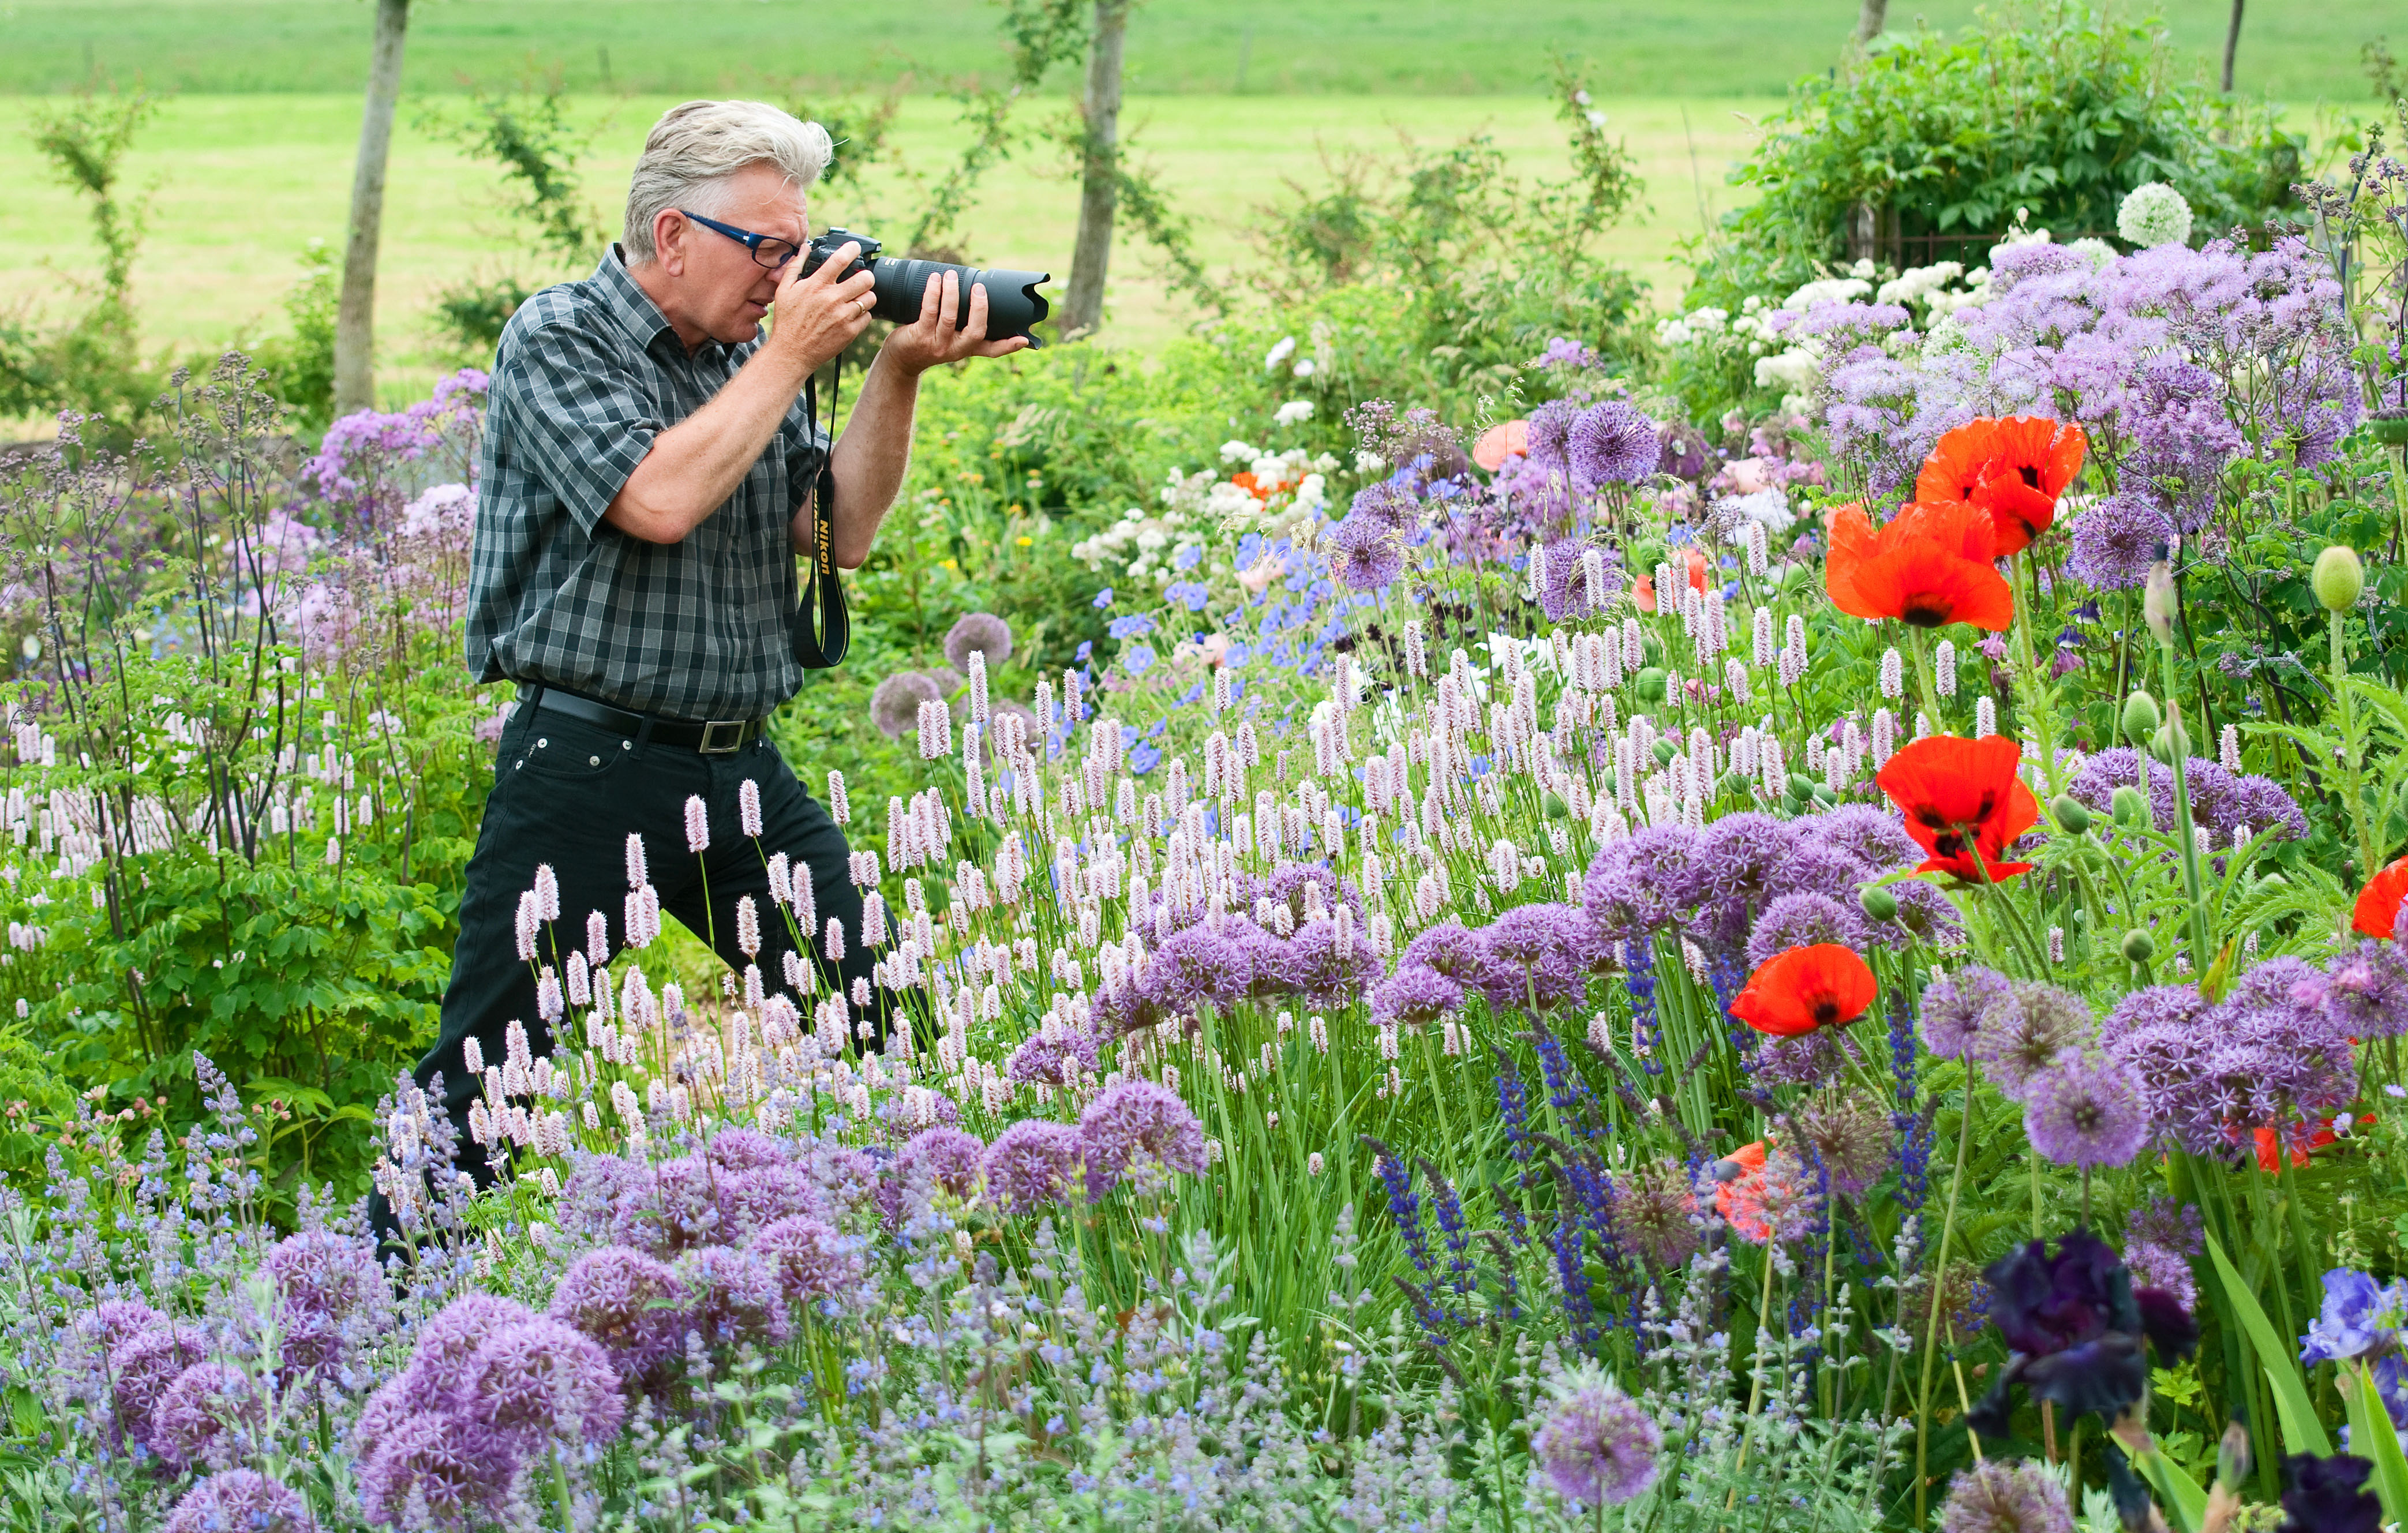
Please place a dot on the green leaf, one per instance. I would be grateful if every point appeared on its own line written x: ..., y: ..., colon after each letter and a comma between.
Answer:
x: 2178, y: 1493
x: 2302, y: 1432
x: 2370, y: 1434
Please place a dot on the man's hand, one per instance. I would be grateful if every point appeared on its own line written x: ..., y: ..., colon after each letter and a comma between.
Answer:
x: 933, y: 339
x: 818, y: 316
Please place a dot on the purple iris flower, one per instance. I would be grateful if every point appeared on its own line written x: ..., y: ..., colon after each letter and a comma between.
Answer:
x: 2075, y: 1326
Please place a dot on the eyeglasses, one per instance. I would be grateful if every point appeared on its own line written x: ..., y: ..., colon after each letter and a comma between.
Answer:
x: 767, y: 251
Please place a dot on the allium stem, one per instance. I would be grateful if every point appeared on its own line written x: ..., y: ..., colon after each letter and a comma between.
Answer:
x: 1932, y: 1324
x: 2032, y: 687
x: 2350, y: 764
x: 2186, y: 843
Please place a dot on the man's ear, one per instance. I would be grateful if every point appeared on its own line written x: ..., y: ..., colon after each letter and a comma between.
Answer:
x: 670, y: 229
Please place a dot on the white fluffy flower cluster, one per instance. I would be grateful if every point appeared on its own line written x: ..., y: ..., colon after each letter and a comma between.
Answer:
x: 1719, y: 329
x: 2153, y: 214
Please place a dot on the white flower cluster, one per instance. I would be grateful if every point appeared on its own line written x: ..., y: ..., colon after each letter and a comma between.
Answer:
x: 2153, y: 214
x: 1718, y: 329
x: 1283, y: 491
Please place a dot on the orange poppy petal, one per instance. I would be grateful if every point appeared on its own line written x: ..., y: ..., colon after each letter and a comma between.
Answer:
x: 1799, y: 990
x: 2377, y: 910
x: 1960, y: 526
x: 2018, y: 513
x: 1925, y: 584
x: 1952, y: 790
x: 1956, y: 464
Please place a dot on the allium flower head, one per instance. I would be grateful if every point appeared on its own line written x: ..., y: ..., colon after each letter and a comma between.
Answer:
x: 895, y: 704
x: 1416, y: 997
x: 744, y: 1150
x: 978, y: 633
x: 442, y: 1461
x: 2024, y: 1038
x: 447, y: 1344
x: 2154, y: 213
x: 208, y: 1415
x: 631, y: 1303
x: 241, y: 1501
x: 811, y: 1260
x: 733, y: 1295
x: 948, y: 1156
x: 1803, y: 921
x: 1864, y: 833
x: 749, y: 1200
x: 2116, y: 538
x: 1997, y: 1496
x: 1850, y: 1138
x: 1033, y: 1164
x: 1137, y: 1120
x: 143, y: 1366
x: 1611, y: 443
x: 1317, y: 966
x: 543, y: 1380
x: 1597, y: 1446
x: 2085, y: 1111
x: 1448, y: 948
x: 1537, y: 955
x: 1655, y: 1215
x: 324, y: 1282
x: 1364, y: 555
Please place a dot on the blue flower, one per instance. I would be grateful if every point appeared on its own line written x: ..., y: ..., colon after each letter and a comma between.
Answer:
x: 2359, y: 1318
x: 1086, y: 648
x: 1131, y: 625
x: 1103, y: 598
x: 1137, y: 659
x: 1143, y: 757
x: 1192, y: 594
x: 1186, y: 557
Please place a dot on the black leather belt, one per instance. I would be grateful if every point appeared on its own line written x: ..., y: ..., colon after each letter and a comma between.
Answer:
x: 712, y: 737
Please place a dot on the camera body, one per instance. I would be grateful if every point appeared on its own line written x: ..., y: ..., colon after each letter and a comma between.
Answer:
x: 1013, y: 304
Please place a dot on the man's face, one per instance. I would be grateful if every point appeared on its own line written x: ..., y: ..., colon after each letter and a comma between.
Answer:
x: 716, y: 286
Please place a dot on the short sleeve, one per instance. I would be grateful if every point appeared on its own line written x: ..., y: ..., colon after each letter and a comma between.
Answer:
x: 586, y: 421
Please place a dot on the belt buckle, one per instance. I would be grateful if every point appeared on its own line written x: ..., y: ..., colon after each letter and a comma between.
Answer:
x: 735, y: 728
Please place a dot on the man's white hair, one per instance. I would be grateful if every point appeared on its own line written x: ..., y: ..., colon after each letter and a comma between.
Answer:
x: 694, y: 149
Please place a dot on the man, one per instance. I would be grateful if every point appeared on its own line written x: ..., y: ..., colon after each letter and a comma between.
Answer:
x: 647, y: 474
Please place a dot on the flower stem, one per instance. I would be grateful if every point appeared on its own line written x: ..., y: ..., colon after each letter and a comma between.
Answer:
x: 2178, y: 754
x: 1932, y: 1325
x: 2349, y: 751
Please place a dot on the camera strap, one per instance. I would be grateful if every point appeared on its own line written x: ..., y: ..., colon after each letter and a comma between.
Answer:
x: 822, y: 644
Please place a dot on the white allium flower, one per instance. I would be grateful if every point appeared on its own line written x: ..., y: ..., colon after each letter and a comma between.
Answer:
x: 1829, y: 290
x: 2154, y: 214
x: 1293, y: 411
x: 2096, y: 252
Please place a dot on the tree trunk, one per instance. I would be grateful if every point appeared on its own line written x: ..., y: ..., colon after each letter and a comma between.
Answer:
x: 1082, y: 307
x: 1871, y: 16
x: 355, y: 316
x: 2231, y: 46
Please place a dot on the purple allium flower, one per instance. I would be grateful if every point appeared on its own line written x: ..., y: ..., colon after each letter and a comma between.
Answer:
x: 1876, y: 838
x: 447, y: 1344
x: 1136, y: 1120
x: 115, y: 1320
x: 1737, y: 855
x: 1415, y: 996
x: 2085, y: 1111
x: 2359, y: 1318
x: 733, y: 1295
x: 456, y: 1469
x: 673, y: 1208
x: 2330, y: 1494
x: 1033, y: 1164
x: 324, y: 1282
x: 754, y: 1199
x: 1802, y: 921
x: 976, y: 633
x: 1548, y: 439
x: 1997, y: 1496
x: 1564, y: 597
x: 1612, y: 443
x: 241, y: 1501
x: 2114, y: 541
x: 1809, y: 1059
x: 1927, y: 914
x: 2154, y: 1265
x: 1537, y: 954
x: 895, y: 704
x: 1288, y: 884
x: 1198, y: 965
x: 2170, y: 1223
x: 207, y: 1416
x: 1597, y: 1446
x: 745, y: 1149
x: 1045, y: 1057
x: 811, y: 1260
x: 1632, y: 884
x: 1448, y: 948
x: 2220, y: 801
x: 542, y: 1379
x: 1389, y: 504
x: 2366, y: 990
x: 1364, y: 555
x: 2020, y: 1039
x: 2269, y: 1057
x: 628, y: 1301
x: 143, y: 1366
x: 1851, y: 1138
x: 1956, y: 1010
x: 949, y: 1157
x: 1816, y: 867
x: 1655, y: 1215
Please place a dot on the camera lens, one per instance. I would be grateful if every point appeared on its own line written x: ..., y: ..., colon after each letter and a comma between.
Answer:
x: 1013, y: 304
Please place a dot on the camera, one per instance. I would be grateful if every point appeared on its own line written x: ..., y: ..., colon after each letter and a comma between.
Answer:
x: 1012, y: 302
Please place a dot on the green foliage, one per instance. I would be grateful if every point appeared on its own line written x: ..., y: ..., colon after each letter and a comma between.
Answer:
x: 300, y: 367
x: 2048, y: 109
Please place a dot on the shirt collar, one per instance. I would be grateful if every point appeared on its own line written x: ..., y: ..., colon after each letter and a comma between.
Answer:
x: 634, y: 308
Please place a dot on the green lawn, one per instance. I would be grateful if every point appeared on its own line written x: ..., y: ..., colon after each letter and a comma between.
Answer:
x: 242, y: 183
x: 2298, y: 50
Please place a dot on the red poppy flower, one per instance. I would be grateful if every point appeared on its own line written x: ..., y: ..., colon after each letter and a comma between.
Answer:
x: 1739, y: 1198
x: 2265, y: 1141
x: 2377, y: 912
x: 1963, y: 802
x: 1928, y: 565
x: 2013, y: 469
x: 1804, y: 989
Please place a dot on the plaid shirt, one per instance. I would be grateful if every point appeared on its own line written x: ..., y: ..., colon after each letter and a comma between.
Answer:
x: 587, y: 374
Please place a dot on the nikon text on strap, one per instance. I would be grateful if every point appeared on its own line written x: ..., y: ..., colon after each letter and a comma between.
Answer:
x: 821, y: 645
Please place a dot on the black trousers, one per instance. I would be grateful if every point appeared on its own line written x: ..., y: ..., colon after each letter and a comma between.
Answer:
x: 568, y: 794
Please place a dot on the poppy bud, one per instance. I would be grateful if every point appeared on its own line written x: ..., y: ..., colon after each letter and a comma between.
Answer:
x: 1823, y: 796
x: 2338, y: 578
x: 1800, y: 785
x: 2140, y: 717
x: 2158, y: 601
x: 1878, y: 902
x: 2071, y: 813
x: 2130, y: 807
x: 2138, y: 946
x: 2169, y: 740
x: 1666, y: 751
x: 1736, y: 782
x: 1649, y: 684
x: 1554, y: 807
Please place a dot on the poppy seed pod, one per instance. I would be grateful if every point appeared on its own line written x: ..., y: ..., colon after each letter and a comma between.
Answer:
x: 2141, y: 718
x: 2129, y: 806
x: 2171, y: 739
x: 1878, y: 902
x: 2338, y: 578
x: 1649, y: 685
x: 2071, y: 813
